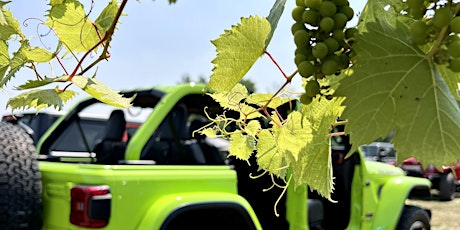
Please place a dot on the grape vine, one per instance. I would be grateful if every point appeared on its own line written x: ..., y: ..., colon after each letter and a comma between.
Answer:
x: 384, y: 71
x: 397, y: 70
x: 78, y: 36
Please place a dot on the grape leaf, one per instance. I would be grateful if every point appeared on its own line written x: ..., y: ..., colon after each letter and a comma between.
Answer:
x: 383, y: 10
x: 4, y: 60
x: 275, y: 14
x: 241, y: 146
x: 452, y: 79
x: 292, y: 137
x: 38, y: 83
x: 35, y: 83
x: 25, y: 54
x: 393, y: 82
x: 262, y: 99
x: 314, y: 164
x: 105, y: 19
x: 101, y: 91
x: 268, y: 156
x: 71, y: 24
x: 253, y: 128
x: 280, y: 146
x: 41, y: 99
x: 2, y: 15
x: 237, y: 51
x: 37, y: 54
x: 17, y: 61
x: 8, y: 24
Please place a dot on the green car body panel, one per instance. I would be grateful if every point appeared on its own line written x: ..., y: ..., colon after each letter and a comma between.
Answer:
x: 144, y: 196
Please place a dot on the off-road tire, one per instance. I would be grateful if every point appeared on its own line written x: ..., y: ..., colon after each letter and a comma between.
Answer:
x: 447, y: 187
x: 414, y: 217
x: 20, y: 180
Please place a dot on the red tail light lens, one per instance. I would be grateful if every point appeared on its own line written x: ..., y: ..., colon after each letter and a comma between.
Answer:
x: 90, y: 206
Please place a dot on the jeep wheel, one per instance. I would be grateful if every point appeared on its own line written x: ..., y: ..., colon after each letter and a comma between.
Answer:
x: 447, y: 187
x: 20, y: 180
x: 414, y: 218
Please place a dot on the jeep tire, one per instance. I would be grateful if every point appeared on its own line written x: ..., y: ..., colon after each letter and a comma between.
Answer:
x: 20, y: 180
x: 414, y: 217
x: 447, y: 187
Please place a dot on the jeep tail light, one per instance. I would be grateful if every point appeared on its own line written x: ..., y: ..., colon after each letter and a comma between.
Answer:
x: 90, y: 205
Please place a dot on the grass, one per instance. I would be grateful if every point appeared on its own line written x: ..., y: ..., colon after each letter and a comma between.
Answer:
x: 445, y: 215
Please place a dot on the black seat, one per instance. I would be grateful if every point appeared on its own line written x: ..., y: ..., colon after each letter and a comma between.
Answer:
x: 170, y: 144
x: 111, y: 149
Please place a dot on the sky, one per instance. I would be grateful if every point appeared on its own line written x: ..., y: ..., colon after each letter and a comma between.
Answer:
x: 157, y: 43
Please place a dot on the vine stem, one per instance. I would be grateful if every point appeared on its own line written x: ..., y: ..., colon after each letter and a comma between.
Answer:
x: 288, y: 81
x: 277, y: 65
x: 438, y: 42
x: 107, y: 39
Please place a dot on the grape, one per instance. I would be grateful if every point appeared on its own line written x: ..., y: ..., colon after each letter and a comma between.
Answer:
x: 454, y: 65
x: 300, y: 50
x: 344, y: 61
x: 339, y: 35
x: 455, y: 25
x: 340, y: 2
x: 350, y: 32
x: 327, y: 9
x: 419, y: 32
x: 326, y: 24
x: 419, y: 28
x: 305, y: 51
x: 305, y: 99
x: 415, y: 4
x: 453, y: 38
x: 453, y: 49
x: 320, y: 50
x: 312, y: 88
x: 417, y: 13
x: 348, y: 11
x: 299, y: 58
x: 332, y: 44
x: 311, y: 17
x: 313, y: 4
x: 301, y: 38
x: 442, y: 17
x: 297, y: 13
x: 300, y: 2
x: 297, y: 26
x: 306, y: 69
x: 419, y: 41
x: 320, y: 38
x: 340, y: 20
x: 329, y: 67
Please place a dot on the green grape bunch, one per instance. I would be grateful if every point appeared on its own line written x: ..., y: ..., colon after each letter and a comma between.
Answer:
x: 322, y: 40
x: 437, y: 25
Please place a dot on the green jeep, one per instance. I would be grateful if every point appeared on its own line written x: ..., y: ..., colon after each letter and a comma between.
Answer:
x: 145, y: 170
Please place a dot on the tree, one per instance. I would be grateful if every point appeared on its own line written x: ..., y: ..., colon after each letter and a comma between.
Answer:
x: 396, y: 72
x: 250, y: 85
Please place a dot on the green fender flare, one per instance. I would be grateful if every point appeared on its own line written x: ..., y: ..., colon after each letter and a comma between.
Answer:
x: 162, y: 208
x: 392, y: 199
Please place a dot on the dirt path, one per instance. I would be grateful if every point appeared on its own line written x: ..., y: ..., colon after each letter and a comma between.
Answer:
x: 445, y: 214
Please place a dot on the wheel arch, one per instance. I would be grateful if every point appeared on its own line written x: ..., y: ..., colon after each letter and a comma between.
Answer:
x: 392, y: 198
x: 166, y: 211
